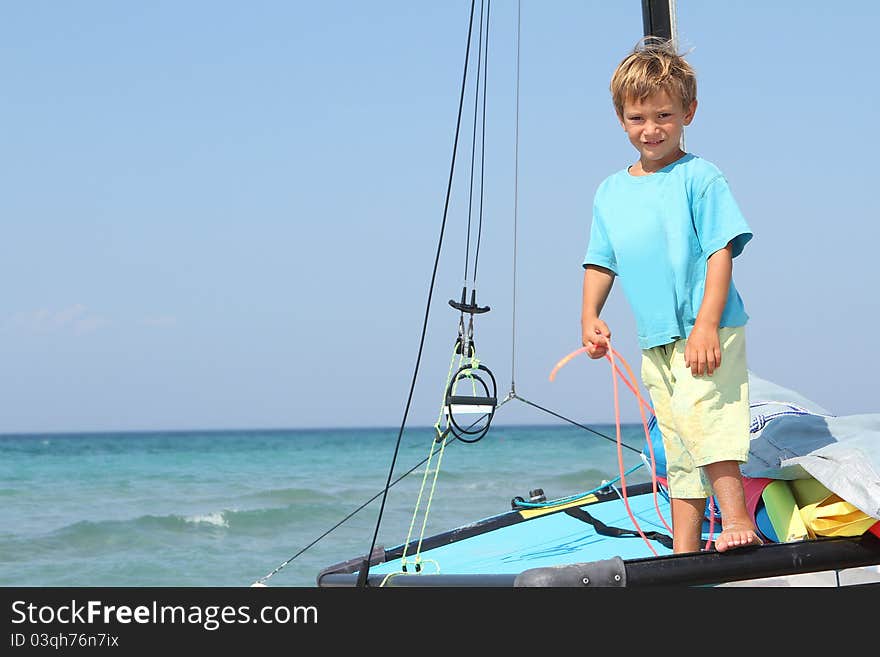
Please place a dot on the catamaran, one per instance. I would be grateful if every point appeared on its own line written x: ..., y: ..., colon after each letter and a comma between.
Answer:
x: 812, y: 479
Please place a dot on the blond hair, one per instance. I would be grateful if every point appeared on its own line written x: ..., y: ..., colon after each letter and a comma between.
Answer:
x: 653, y: 65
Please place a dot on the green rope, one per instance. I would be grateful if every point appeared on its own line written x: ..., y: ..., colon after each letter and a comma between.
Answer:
x: 431, y: 453
x: 474, y: 364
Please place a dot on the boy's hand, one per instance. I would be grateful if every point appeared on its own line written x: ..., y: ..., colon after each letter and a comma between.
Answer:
x: 595, y: 338
x: 702, y: 352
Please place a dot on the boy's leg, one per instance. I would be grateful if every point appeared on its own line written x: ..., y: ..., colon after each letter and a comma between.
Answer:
x: 687, y: 523
x: 687, y: 483
x: 712, y: 417
x: 738, y: 529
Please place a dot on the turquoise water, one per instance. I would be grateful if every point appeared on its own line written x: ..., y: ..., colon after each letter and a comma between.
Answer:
x: 226, y: 508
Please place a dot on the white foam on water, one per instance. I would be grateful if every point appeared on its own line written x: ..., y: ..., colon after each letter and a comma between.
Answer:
x: 215, y: 518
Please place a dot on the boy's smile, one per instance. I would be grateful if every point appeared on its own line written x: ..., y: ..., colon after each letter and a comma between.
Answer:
x: 654, y: 126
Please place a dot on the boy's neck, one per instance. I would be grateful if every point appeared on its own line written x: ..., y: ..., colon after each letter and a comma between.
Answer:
x: 642, y: 168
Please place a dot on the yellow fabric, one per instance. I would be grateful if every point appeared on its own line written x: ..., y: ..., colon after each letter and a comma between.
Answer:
x: 540, y: 511
x: 825, y: 513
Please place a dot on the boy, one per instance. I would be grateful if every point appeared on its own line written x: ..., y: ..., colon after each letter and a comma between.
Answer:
x: 669, y: 227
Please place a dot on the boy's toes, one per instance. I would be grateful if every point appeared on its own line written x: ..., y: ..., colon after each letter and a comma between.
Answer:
x: 734, y: 538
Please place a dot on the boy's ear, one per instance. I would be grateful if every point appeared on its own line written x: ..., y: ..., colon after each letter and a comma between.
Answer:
x: 689, y: 114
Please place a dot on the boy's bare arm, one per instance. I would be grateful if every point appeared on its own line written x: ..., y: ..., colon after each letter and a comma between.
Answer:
x: 702, y: 352
x: 597, y: 286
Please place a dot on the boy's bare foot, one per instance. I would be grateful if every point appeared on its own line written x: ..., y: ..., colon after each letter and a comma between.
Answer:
x: 736, y: 536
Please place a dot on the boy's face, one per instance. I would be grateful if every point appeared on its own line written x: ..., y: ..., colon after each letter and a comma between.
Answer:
x: 654, y: 126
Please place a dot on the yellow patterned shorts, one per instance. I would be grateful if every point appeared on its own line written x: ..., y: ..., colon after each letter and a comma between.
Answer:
x: 703, y: 419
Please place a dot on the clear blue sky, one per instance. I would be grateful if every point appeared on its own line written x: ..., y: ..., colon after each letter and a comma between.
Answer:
x: 225, y: 214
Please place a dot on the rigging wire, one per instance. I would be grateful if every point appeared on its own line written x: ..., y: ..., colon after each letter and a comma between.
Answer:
x: 480, y: 94
x: 512, y: 394
x: 577, y: 424
x: 364, y: 571
x: 482, y: 144
x: 515, y: 204
x: 467, y: 250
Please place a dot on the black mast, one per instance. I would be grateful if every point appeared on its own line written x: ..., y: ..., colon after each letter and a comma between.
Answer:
x: 658, y: 18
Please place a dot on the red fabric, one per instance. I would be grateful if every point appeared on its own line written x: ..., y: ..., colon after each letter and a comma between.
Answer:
x: 753, y: 487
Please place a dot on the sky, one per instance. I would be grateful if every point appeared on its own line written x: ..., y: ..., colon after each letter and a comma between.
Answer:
x: 221, y: 215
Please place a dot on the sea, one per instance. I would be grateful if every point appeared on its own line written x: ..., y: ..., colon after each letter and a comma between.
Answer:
x: 235, y: 507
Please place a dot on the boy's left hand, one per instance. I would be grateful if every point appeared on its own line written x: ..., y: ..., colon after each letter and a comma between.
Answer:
x: 702, y: 352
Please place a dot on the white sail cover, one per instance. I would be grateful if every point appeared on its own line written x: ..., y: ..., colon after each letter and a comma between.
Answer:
x: 795, y: 438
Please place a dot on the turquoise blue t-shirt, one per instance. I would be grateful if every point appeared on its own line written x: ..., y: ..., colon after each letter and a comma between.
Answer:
x: 656, y: 233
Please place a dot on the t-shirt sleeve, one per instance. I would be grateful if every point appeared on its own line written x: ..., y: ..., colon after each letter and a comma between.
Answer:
x: 718, y: 219
x: 599, y: 251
